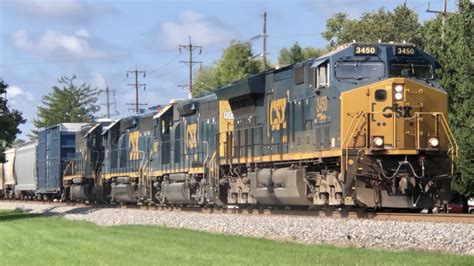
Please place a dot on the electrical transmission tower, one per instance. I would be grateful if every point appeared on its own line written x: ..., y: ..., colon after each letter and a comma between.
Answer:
x: 137, y: 85
x: 190, y: 48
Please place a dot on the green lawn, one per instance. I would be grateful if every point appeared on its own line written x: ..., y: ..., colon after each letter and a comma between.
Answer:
x: 27, y: 239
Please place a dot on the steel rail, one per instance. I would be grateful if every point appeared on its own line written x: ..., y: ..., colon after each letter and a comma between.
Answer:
x: 380, y: 216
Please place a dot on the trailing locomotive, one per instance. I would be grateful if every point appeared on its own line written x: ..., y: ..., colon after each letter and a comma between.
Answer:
x: 364, y: 125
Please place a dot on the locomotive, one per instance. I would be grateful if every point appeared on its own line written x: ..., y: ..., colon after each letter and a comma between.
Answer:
x: 364, y: 125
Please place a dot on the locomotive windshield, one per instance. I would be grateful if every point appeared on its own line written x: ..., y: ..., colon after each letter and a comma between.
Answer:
x: 415, y: 70
x: 359, y: 70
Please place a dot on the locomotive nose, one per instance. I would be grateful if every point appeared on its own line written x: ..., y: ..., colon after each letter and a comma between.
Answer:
x: 396, y: 114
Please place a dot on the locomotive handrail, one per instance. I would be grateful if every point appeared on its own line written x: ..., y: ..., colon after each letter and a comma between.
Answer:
x: 207, y: 153
x: 452, y: 151
x: 348, y: 137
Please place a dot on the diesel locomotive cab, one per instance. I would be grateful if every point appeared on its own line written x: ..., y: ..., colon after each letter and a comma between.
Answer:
x: 397, y: 146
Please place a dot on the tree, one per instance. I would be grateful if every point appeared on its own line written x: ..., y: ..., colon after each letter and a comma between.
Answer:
x: 310, y: 52
x: 296, y: 54
x: 9, y: 122
x: 237, y: 62
x: 400, y: 25
x: 206, y: 80
x: 454, y: 52
x: 291, y: 55
x: 69, y: 103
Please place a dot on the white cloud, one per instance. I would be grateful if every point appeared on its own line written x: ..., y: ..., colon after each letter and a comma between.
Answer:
x: 16, y: 93
x: 56, y: 44
x: 64, y: 10
x: 204, y: 30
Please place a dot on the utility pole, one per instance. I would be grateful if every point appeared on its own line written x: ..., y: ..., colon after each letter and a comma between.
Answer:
x: 444, y: 12
x: 264, y: 36
x: 108, y: 103
x: 190, y: 48
x: 137, y: 85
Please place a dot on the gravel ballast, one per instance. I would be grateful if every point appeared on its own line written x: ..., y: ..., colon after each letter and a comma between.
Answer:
x: 455, y: 238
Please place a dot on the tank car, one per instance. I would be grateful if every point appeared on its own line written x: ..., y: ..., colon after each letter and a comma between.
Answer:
x: 25, y: 170
x: 8, y: 180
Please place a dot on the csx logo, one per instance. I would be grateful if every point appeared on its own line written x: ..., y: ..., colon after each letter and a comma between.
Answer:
x: 278, y: 114
x: 133, y: 142
x: 191, y: 136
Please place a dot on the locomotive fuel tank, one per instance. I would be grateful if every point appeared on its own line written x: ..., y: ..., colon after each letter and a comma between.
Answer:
x: 178, y: 193
x: 283, y: 186
x: 123, y: 190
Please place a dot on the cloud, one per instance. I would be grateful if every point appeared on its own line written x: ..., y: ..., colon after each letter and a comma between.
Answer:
x: 56, y: 44
x: 64, y: 10
x: 204, y: 31
x: 16, y: 93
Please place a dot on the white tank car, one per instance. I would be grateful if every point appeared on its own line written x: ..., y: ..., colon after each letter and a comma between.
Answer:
x: 9, y: 173
x: 25, y: 170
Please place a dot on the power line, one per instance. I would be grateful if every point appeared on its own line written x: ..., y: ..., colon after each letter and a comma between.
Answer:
x: 190, y: 48
x: 137, y: 85
x: 164, y: 65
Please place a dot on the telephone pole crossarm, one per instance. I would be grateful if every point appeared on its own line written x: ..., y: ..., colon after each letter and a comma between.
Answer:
x: 137, y: 85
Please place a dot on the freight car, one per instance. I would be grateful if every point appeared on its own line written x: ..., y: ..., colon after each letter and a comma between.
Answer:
x: 25, y: 170
x: 8, y: 177
x: 56, y: 146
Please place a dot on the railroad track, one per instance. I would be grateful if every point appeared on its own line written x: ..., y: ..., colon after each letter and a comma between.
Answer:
x: 383, y: 216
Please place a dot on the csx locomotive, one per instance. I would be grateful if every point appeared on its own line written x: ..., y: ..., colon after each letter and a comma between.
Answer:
x: 364, y: 125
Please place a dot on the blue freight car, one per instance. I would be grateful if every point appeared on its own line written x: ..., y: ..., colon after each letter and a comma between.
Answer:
x: 56, y: 145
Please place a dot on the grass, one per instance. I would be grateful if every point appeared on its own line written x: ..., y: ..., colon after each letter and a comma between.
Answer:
x: 27, y: 239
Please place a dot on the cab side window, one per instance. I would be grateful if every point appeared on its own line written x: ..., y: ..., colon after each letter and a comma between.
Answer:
x: 322, y: 76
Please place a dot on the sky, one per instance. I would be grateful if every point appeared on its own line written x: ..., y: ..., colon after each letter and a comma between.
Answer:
x: 99, y: 41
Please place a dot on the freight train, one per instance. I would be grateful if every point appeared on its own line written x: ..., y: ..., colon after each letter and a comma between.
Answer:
x: 364, y: 125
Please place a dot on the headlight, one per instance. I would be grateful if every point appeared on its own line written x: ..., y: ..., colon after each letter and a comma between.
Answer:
x: 398, y: 88
x: 378, y: 141
x: 433, y: 142
x: 398, y: 96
